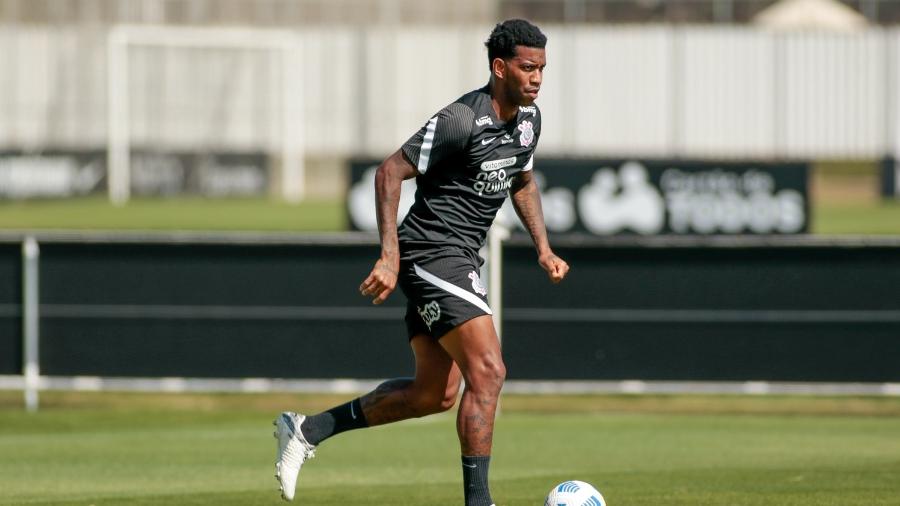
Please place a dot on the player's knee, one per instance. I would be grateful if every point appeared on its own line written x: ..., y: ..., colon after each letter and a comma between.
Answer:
x: 427, y: 403
x: 500, y: 374
x: 442, y: 404
x: 488, y: 375
x: 450, y: 395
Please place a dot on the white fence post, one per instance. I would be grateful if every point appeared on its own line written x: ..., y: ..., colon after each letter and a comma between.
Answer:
x: 118, y: 171
x: 30, y: 302
x: 496, y: 236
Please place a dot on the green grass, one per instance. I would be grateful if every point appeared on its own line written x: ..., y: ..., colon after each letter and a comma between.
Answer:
x: 859, y: 216
x: 182, y: 213
x: 218, y: 450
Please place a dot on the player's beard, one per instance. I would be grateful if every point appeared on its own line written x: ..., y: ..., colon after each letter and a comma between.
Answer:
x: 525, y: 99
x: 531, y: 100
x: 522, y: 98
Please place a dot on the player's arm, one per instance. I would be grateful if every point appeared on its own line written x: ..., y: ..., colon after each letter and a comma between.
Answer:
x: 526, y: 199
x: 388, y: 179
x: 442, y: 136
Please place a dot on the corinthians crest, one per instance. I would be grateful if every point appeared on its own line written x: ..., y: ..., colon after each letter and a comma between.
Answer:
x: 477, y: 284
x: 527, y: 136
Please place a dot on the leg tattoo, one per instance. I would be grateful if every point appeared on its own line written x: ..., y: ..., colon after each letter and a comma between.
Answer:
x: 390, y: 402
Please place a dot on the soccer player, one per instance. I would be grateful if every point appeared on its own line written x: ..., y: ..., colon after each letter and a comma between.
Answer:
x: 465, y: 159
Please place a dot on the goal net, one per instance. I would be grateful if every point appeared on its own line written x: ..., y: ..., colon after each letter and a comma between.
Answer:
x: 209, y: 111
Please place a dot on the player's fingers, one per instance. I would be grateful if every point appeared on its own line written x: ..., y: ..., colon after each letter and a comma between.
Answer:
x: 382, y: 296
x: 366, y: 284
x: 377, y: 287
x: 551, y: 272
x: 559, y: 272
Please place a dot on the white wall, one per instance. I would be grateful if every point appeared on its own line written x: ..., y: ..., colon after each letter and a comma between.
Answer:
x: 649, y: 91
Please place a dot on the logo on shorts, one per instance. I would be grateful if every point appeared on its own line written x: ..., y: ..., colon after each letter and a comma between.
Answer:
x: 527, y: 136
x: 430, y: 313
x: 477, y: 285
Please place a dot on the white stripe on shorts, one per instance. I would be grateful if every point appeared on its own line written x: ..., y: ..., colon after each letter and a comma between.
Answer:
x: 450, y: 287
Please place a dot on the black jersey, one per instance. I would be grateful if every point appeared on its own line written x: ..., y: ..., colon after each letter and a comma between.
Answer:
x: 467, y: 160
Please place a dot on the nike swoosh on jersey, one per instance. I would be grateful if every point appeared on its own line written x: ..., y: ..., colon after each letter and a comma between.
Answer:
x: 485, y: 142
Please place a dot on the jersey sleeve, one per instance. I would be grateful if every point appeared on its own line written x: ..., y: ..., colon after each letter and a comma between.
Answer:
x: 530, y: 165
x: 445, y: 134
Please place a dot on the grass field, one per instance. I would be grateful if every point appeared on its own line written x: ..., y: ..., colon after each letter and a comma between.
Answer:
x: 141, y: 449
x: 183, y: 213
x: 877, y: 218
x: 854, y: 215
x: 217, y: 450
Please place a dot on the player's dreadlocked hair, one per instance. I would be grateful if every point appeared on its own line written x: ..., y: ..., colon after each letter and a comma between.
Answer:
x: 511, y: 33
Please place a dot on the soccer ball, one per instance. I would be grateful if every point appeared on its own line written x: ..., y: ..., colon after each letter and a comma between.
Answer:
x: 574, y: 493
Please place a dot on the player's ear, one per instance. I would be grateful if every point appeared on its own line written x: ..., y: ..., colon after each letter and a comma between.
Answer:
x: 498, y: 67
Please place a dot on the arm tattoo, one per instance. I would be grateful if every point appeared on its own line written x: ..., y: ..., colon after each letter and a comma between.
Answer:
x: 384, y: 267
x: 527, y: 202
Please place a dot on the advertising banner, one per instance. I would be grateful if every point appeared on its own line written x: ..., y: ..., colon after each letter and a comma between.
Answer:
x: 207, y: 174
x: 890, y: 178
x: 51, y: 174
x: 61, y: 174
x: 642, y: 197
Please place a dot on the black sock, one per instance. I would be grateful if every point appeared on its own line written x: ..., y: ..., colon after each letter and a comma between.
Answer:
x: 475, y: 480
x: 318, y: 428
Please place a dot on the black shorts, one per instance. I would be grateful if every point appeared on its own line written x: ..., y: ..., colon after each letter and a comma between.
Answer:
x: 441, y: 294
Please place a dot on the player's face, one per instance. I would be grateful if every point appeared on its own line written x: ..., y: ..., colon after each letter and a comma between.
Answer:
x: 524, y: 73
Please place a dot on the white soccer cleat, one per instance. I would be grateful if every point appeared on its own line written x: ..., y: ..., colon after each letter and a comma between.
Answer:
x: 293, y: 451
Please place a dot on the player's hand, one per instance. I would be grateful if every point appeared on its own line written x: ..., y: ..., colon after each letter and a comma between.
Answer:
x: 556, y: 267
x: 381, y: 281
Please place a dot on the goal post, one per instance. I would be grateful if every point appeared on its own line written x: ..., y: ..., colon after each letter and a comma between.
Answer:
x: 288, y: 146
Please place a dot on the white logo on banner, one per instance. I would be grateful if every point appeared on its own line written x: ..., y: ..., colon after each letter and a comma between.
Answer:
x: 362, y: 200
x: 558, y: 205
x: 625, y: 201
x: 716, y: 201
x: 47, y: 176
